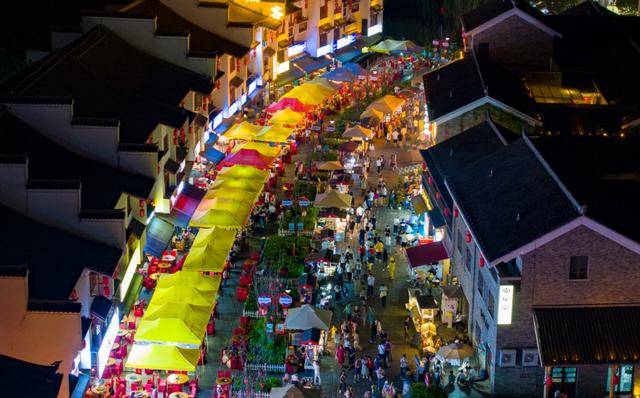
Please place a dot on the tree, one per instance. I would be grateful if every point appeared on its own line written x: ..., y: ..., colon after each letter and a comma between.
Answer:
x: 420, y: 390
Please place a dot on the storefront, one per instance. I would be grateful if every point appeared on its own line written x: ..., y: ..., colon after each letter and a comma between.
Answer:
x: 421, y: 307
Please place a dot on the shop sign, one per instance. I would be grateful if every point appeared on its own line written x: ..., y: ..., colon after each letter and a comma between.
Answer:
x: 269, y: 327
x: 285, y: 300
x: 280, y: 328
x: 331, y: 128
x: 505, y: 305
x: 304, y: 202
x: 287, y: 202
x: 315, y: 128
x: 264, y: 299
x: 108, y: 339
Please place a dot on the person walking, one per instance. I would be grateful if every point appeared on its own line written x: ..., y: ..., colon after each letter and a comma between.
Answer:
x: 316, y: 373
x: 403, y: 365
x: 407, y: 324
x: 343, y: 381
x: 383, y: 295
x: 380, y: 377
x: 371, y: 281
x: 392, y: 267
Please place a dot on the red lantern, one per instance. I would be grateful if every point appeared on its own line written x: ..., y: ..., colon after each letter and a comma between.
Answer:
x: 218, y: 84
x: 446, y: 212
x: 141, y: 203
x: 481, y: 262
x: 141, y: 213
x: 430, y: 180
x: 424, y: 166
x: 468, y: 237
x: 175, y: 133
x: 175, y: 141
x: 74, y: 295
x: 456, y: 213
x: 438, y: 195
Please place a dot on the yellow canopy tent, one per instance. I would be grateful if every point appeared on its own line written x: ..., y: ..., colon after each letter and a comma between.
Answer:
x: 244, y: 172
x: 168, y: 330
x: 287, y: 117
x: 358, y: 132
x: 219, y: 218
x: 190, y: 278
x: 183, y: 294
x: 275, y: 134
x: 264, y: 148
x: 247, y: 185
x: 387, y: 104
x: 368, y: 113
x: 334, y: 199
x: 243, y: 131
x: 207, y: 258
x: 325, y: 84
x: 231, y: 193
x: 231, y: 205
x: 308, y: 94
x: 162, y: 357
x: 215, y: 236
x: 386, y: 46
x: 195, y: 316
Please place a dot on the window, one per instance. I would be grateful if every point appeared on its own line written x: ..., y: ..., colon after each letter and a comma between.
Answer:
x: 232, y: 64
x: 323, y: 39
x: 355, y: 6
x: 468, y: 259
x: 336, y: 34
x: 374, y: 19
x: 232, y: 95
x: 302, y: 27
x: 563, y: 375
x: 625, y: 373
x: 490, y: 303
x: 579, y: 267
x: 323, y: 10
x: 481, y: 284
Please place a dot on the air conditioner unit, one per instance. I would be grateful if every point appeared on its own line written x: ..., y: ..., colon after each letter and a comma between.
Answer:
x: 530, y: 357
x: 507, y: 358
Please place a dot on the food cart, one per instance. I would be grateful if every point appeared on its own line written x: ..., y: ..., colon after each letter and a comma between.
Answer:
x: 422, y: 308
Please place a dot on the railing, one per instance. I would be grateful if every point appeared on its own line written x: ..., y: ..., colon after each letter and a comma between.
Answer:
x: 265, y: 367
x: 250, y: 394
x: 250, y: 314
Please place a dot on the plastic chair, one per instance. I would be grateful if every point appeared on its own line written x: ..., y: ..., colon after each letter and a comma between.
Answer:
x: 162, y: 385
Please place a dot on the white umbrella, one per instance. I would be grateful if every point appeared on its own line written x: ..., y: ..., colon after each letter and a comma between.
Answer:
x: 308, y: 317
x: 454, y: 353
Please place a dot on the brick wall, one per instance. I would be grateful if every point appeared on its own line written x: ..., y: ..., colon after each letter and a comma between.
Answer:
x: 515, y: 42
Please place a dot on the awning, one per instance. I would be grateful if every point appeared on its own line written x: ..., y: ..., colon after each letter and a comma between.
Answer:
x: 587, y: 335
x: 269, y: 52
x: 186, y: 203
x: 159, y: 234
x: 289, y: 76
x: 325, y: 27
x: 162, y: 357
x: 200, y: 120
x: 171, y: 166
x: 437, y: 220
x: 100, y: 307
x: 213, y: 138
x: 308, y: 317
x: 419, y: 206
x: 236, y: 81
x: 212, y: 154
x: 310, y: 64
x: 427, y: 254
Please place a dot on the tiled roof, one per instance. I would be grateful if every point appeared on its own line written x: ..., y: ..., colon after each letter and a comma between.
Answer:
x: 42, y: 381
x: 509, y: 198
x: 50, y: 164
x: 55, y: 258
x: 98, y: 92
x: 494, y: 8
x: 464, y: 81
x: 588, y: 335
x: 169, y: 22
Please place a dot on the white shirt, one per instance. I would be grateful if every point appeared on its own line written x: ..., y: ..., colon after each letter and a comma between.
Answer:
x: 383, y: 291
x: 371, y: 280
x: 360, y: 211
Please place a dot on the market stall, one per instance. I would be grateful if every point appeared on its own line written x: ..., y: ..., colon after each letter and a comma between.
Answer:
x: 333, y: 215
x: 428, y: 263
x: 422, y: 308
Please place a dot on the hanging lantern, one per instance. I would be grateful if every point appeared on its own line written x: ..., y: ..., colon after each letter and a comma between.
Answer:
x: 481, y: 262
x: 438, y: 195
x: 74, y: 295
x: 430, y: 180
x: 456, y: 213
x: 446, y: 212
x: 175, y: 141
x: 106, y: 291
x: 141, y: 213
x: 141, y: 203
x: 468, y: 237
x: 424, y: 166
x: 175, y: 133
x: 218, y: 84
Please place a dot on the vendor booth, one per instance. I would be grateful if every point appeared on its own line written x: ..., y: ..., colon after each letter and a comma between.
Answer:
x: 314, y: 324
x: 451, y: 303
x: 428, y: 263
x: 333, y: 215
x: 422, y: 308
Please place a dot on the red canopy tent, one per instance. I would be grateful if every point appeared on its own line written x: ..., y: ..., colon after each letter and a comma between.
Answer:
x: 248, y: 157
x: 291, y: 103
x: 426, y: 254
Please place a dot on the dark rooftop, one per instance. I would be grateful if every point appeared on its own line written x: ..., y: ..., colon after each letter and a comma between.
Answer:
x: 169, y: 22
x: 42, y: 381
x: 70, y: 73
x: 55, y: 258
x: 101, y: 185
x: 588, y: 335
x: 601, y: 173
x: 492, y: 9
x: 509, y: 198
x: 449, y: 158
x: 464, y: 81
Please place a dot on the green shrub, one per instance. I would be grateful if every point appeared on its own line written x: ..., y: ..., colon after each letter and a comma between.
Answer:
x: 420, y: 390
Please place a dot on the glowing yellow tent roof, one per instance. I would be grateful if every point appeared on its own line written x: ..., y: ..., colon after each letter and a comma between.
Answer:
x: 287, y: 117
x: 190, y: 278
x: 231, y: 205
x: 195, y: 317
x: 219, y: 218
x: 183, y: 294
x: 372, y: 113
x: 247, y: 185
x: 275, y: 134
x: 243, y: 131
x: 386, y: 46
x: 333, y: 198
x: 168, y: 330
x: 232, y: 193
x: 263, y: 147
x: 387, y: 104
x: 162, y: 357
x: 215, y: 236
x: 324, y: 83
x: 358, y: 132
x: 244, y: 172
x: 330, y: 165
x: 208, y: 258
x: 308, y: 94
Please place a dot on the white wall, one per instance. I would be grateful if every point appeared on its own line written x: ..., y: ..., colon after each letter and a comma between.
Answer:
x: 13, y: 180
x: 141, y: 33
x: 143, y: 163
x: 55, y: 121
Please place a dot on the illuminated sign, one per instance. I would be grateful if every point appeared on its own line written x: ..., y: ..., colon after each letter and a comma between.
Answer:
x: 374, y: 29
x: 129, y: 273
x: 253, y: 86
x: 233, y: 108
x: 277, y: 13
x: 345, y: 41
x: 216, y: 121
x: 324, y: 50
x: 505, y: 305
x: 282, y: 67
x: 107, y: 341
x: 296, y: 49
